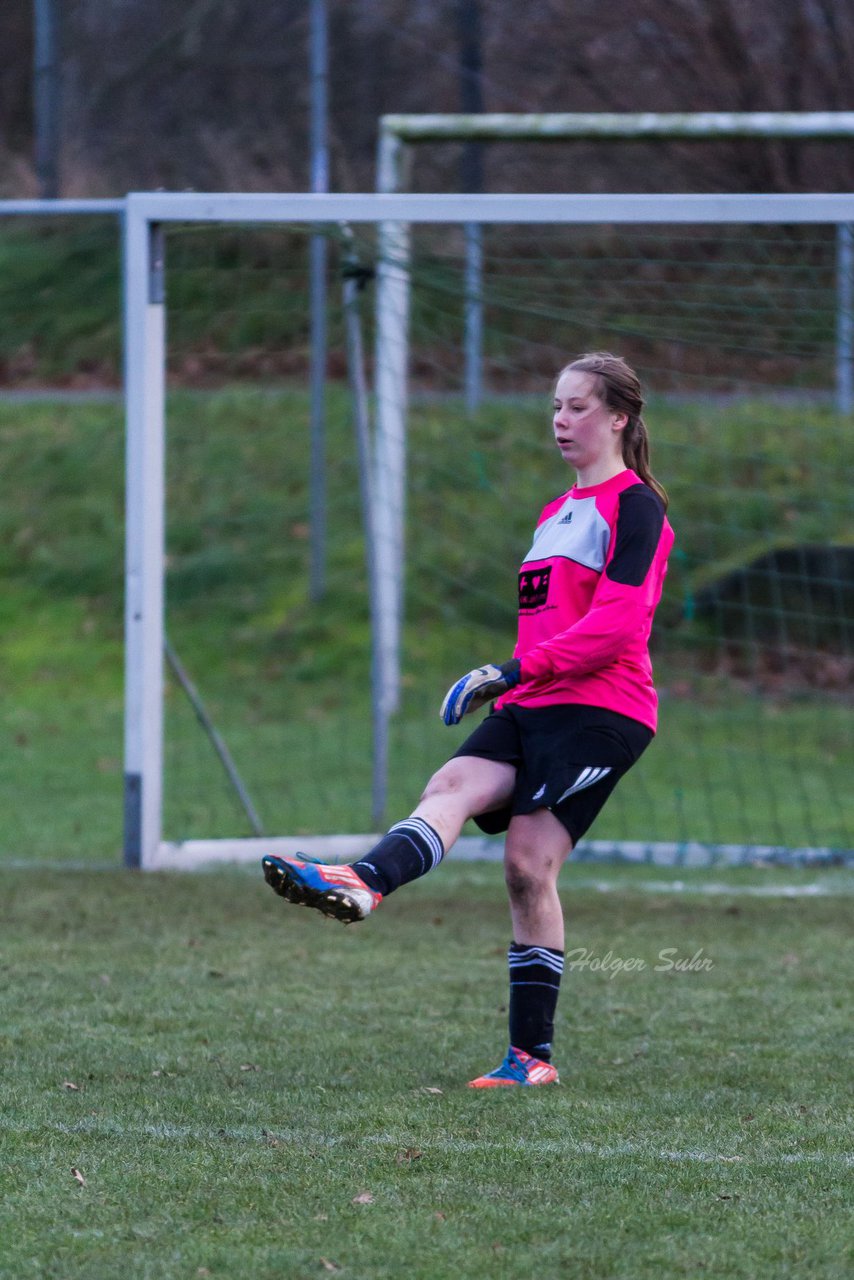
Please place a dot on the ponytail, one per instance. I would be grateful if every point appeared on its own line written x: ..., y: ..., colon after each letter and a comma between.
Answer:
x: 636, y: 454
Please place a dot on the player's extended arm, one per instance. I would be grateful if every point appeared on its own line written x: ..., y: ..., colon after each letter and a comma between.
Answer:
x: 477, y: 688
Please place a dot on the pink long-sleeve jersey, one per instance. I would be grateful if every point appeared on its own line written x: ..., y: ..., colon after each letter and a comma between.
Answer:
x: 588, y: 589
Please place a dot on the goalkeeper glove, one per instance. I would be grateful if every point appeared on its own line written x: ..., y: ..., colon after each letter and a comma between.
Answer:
x: 479, y: 686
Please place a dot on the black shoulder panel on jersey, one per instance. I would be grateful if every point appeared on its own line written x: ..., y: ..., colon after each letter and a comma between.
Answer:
x: 639, y: 523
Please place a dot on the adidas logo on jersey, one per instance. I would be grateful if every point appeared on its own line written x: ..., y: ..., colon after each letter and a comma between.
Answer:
x: 567, y: 519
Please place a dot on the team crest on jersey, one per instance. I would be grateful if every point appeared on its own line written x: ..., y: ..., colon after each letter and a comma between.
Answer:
x: 534, y: 587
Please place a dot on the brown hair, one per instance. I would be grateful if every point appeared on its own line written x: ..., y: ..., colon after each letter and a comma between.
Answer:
x: 618, y: 387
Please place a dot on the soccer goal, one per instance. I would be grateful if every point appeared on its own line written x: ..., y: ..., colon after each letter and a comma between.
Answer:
x: 262, y: 719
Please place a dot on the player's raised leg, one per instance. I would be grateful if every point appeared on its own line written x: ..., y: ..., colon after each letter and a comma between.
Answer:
x: 466, y: 785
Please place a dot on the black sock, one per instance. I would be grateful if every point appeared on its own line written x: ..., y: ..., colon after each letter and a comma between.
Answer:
x: 535, y: 974
x: 409, y: 850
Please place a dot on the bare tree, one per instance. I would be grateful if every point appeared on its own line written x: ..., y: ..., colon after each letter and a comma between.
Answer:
x: 214, y: 93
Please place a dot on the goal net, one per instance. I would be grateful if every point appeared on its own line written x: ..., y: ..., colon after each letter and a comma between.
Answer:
x: 302, y: 706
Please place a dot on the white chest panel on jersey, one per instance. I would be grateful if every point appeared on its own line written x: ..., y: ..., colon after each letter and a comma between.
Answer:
x: 576, y: 532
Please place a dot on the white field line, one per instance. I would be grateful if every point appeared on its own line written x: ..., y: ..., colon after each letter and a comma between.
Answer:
x: 462, y: 1146
x: 840, y: 889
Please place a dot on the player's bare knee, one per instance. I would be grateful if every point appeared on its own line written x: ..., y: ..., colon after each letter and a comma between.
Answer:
x: 527, y: 877
x: 518, y: 881
x: 445, y: 781
x: 470, y: 777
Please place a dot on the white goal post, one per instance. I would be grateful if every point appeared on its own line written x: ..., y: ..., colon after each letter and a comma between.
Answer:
x: 145, y: 317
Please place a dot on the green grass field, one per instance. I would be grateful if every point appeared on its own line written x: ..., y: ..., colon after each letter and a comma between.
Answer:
x: 245, y: 1089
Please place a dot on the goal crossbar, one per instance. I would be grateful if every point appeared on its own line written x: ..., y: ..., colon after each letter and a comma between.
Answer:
x: 153, y: 207
x: 629, y: 126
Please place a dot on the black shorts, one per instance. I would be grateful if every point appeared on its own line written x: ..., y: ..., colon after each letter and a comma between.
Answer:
x: 568, y: 759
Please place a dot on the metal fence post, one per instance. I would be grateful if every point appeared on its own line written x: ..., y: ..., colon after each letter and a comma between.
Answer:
x: 46, y: 91
x: 844, y: 316
x: 474, y: 316
x: 317, y: 291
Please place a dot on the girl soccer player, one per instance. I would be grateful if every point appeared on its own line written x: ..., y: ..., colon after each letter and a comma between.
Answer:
x: 573, y: 709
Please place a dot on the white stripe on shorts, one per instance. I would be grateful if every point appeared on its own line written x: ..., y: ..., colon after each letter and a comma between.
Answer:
x: 587, y: 778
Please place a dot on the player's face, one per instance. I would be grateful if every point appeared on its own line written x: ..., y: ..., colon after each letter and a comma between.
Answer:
x: 586, y: 431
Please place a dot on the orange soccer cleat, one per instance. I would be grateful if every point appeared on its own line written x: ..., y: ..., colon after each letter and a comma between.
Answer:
x: 517, y: 1068
x: 336, y: 891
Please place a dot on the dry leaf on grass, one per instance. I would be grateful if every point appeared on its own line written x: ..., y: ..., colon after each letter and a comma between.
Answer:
x: 364, y: 1197
x: 329, y: 1265
x: 78, y: 1177
x: 431, y: 1089
x: 71, y: 1086
x: 408, y: 1155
